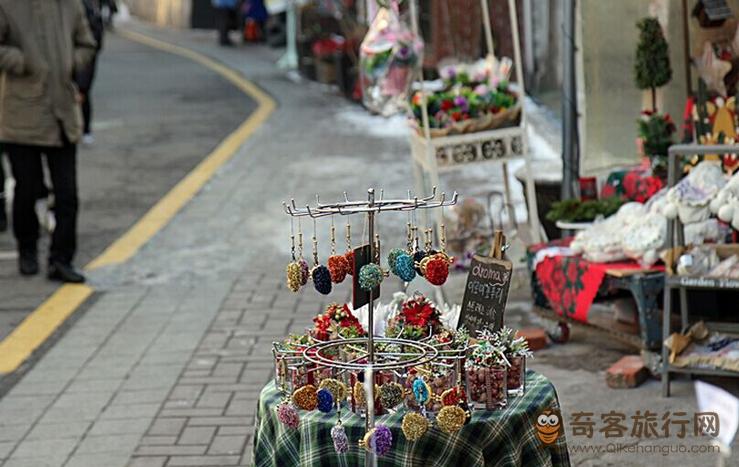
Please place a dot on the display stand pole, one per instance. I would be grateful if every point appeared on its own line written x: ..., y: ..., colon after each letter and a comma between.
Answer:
x: 530, y: 186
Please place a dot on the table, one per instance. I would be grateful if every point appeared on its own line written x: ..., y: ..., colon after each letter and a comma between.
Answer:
x: 505, y: 437
x: 569, y: 285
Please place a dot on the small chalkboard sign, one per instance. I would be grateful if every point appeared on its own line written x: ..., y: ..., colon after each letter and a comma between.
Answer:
x: 486, y: 291
x: 361, y: 297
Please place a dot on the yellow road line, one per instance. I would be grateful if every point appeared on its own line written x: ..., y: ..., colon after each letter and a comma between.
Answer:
x: 40, y: 324
x: 159, y: 215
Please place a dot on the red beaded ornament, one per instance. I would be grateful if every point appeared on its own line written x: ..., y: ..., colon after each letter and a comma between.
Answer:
x: 437, y: 270
x: 338, y: 267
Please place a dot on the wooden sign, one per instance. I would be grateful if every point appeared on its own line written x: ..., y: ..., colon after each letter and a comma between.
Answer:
x: 486, y: 291
x: 361, y: 297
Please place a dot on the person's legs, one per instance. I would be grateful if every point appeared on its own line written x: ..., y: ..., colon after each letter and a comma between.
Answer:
x: 3, y: 212
x: 87, y: 113
x: 223, y: 20
x: 62, y: 163
x: 25, y: 163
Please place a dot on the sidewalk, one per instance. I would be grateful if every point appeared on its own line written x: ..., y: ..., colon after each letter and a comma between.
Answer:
x: 165, y: 365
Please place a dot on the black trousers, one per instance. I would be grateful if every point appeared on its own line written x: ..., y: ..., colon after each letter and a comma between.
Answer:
x: 26, y: 164
x: 224, y: 18
x: 84, y: 80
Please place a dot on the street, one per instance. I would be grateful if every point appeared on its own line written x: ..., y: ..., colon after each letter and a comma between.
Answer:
x: 163, y: 364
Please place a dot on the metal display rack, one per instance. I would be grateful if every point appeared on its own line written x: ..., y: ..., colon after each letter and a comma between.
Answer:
x: 434, y: 155
x: 371, y: 353
x: 684, y: 283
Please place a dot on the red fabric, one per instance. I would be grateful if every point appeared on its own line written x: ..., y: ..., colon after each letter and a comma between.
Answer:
x: 571, y: 283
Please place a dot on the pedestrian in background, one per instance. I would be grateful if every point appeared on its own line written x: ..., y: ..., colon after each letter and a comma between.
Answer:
x: 40, y: 50
x: 225, y: 16
x: 3, y: 212
x: 85, y: 76
x: 110, y: 7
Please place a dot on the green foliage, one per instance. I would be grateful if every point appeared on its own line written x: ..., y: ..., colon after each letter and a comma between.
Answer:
x: 574, y: 210
x: 652, y: 66
x: 656, y: 131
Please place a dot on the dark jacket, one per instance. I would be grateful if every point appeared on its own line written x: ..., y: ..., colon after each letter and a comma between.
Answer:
x: 42, y: 43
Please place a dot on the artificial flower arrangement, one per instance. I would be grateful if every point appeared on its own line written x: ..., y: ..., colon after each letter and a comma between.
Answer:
x: 389, y: 56
x: 337, y: 321
x: 486, y: 369
x: 418, y: 318
x: 516, y: 350
x: 475, y: 98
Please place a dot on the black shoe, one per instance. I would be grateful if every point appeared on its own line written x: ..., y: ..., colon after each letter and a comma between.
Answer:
x: 28, y: 263
x: 59, y: 271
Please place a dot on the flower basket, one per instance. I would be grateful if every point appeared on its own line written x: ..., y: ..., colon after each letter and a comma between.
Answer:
x: 503, y: 119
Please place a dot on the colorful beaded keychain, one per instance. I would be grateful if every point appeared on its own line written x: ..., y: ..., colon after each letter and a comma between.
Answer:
x: 320, y: 274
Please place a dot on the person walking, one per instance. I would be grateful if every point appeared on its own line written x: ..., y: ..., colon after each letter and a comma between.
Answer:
x: 42, y: 43
x: 3, y: 212
x: 225, y: 14
x: 85, y: 76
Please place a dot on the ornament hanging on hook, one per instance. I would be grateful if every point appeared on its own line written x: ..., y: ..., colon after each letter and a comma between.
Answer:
x: 338, y: 266
x: 320, y: 274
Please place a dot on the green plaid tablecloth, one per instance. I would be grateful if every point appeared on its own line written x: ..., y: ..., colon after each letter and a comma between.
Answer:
x: 493, y: 438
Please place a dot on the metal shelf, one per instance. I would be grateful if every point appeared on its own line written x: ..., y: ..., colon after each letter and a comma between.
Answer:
x: 702, y: 282
x: 692, y: 370
x: 685, y: 283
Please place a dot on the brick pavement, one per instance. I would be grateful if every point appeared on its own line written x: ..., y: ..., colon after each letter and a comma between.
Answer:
x: 208, y: 417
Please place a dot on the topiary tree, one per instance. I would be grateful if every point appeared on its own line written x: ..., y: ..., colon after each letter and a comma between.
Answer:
x: 652, y: 68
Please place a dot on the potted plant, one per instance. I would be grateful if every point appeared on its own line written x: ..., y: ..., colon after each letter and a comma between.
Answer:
x: 486, y: 370
x: 656, y: 135
x: 516, y: 350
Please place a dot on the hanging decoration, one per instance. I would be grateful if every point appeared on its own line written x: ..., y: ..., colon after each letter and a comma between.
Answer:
x: 389, y: 57
x: 341, y: 441
x: 349, y: 255
x: 451, y: 418
x: 305, y: 398
x: 337, y: 388
x: 325, y: 400
x: 391, y: 394
x: 378, y: 440
x: 414, y: 426
x: 288, y: 415
x: 304, y: 268
x: 320, y: 274
x: 338, y: 266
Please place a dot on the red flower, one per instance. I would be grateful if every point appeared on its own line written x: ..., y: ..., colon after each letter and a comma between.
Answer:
x: 456, y: 116
x: 446, y: 104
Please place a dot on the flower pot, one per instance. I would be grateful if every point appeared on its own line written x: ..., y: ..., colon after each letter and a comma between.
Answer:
x: 487, y: 387
x: 516, y: 378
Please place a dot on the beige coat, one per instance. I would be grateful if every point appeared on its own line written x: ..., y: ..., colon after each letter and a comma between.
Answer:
x: 42, y: 42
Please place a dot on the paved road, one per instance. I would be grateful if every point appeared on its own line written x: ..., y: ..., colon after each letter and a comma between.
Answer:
x: 156, y: 116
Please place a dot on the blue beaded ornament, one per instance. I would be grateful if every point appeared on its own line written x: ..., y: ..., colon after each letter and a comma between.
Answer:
x: 421, y: 391
x: 325, y: 400
x: 392, y: 257
x: 404, y: 267
x: 370, y: 276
